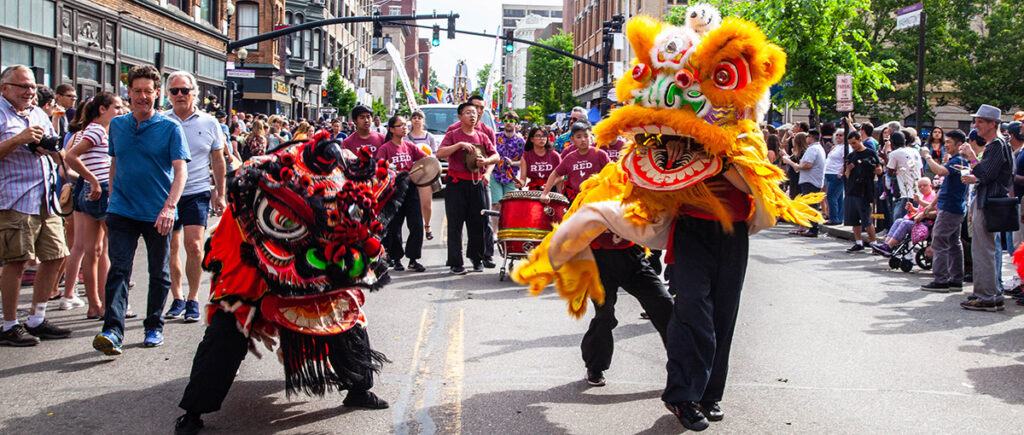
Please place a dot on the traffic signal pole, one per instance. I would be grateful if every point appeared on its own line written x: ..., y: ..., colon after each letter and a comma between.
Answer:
x: 235, y: 45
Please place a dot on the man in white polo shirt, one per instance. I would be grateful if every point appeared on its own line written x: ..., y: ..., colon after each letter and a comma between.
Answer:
x: 206, y: 144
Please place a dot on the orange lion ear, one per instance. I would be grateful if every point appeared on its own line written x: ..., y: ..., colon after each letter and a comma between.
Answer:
x: 737, y: 64
x: 641, y: 31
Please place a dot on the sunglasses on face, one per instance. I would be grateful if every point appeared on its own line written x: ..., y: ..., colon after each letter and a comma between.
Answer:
x: 71, y: 96
x: 181, y: 91
x: 23, y: 87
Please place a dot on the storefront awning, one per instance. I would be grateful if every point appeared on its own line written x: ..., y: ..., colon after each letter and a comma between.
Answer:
x: 267, y: 96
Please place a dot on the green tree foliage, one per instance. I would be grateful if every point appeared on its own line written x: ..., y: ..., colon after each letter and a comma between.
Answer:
x: 434, y: 82
x: 820, y: 42
x: 549, y: 75
x: 532, y: 114
x: 379, y: 109
x: 403, y: 102
x: 481, y: 80
x: 990, y: 72
x: 342, y: 98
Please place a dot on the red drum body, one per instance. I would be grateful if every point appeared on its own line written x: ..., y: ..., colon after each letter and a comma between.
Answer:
x: 524, y: 220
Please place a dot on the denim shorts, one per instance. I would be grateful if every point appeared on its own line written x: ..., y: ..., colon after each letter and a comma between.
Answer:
x: 98, y: 208
x: 193, y: 210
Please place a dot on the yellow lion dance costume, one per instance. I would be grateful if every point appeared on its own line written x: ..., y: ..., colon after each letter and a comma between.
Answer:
x: 705, y: 92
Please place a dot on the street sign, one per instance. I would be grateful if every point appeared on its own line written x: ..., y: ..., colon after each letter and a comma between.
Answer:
x: 844, y: 87
x: 328, y: 111
x: 909, y: 16
x: 242, y: 73
x: 844, y: 106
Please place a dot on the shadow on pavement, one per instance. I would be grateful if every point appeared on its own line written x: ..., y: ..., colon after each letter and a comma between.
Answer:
x: 252, y: 407
x: 623, y: 332
x: 1005, y: 383
x: 524, y: 412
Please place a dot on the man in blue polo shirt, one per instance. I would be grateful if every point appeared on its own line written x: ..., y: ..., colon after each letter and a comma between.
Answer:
x: 951, y: 203
x: 148, y: 173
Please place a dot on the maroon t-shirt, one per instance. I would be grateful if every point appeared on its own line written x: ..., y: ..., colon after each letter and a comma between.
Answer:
x: 540, y: 168
x: 400, y: 157
x: 614, y: 150
x: 480, y: 126
x: 353, y: 142
x: 456, y: 161
x: 580, y: 167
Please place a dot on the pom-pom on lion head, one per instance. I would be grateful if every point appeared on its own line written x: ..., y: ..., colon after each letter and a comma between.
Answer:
x: 700, y: 85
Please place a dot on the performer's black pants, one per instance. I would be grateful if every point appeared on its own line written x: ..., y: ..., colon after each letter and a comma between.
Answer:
x: 412, y: 215
x: 463, y: 201
x: 707, y: 277
x: 217, y: 359
x: 626, y: 268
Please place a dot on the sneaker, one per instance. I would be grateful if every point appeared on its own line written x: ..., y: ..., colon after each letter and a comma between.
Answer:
x: 478, y: 267
x: 107, y: 343
x: 188, y: 424
x: 397, y: 265
x: 154, y: 338
x: 71, y: 303
x: 712, y: 411
x: 177, y: 309
x: 364, y: 399
x: 689, y: 414
x: 488, y: 263
x: 956, y: 284
x: 855, y: 248
x: 595, y: 378
x: 938, y: 287
x: 882, y: 248
x: 979, y: 305
x: 17, y: 336
x: 1016, y: 292
x: 48, y: 331
x: 416, y: 267
x: 191, y: 311
x: 458, y: 270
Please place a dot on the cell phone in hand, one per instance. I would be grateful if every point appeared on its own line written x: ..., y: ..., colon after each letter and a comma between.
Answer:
x: 965, y: 172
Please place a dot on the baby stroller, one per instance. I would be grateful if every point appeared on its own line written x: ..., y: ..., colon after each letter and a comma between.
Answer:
x: 914, y: 245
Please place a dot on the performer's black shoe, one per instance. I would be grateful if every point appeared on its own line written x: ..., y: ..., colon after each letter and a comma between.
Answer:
x: 595, y: 378
x: 397, y: 265
x: 478, y: 267
x: 416, y: 267
x: 689, y: 415
x: 458, y: 270
x: 364, y: 399
x: 488, y: 263
x: 188, y: 424
x: 712, y: 411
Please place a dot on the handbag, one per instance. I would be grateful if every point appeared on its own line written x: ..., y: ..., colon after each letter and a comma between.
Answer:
x: 1001, y: 214
x: 66, y: 199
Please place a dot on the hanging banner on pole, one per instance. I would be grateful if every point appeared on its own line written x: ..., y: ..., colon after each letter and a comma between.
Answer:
x: 495, y: 67
x: 400, y: 67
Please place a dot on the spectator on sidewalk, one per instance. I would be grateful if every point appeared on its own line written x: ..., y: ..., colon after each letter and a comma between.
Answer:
x: 811, y: 171
x: 206, y: 147
x: 902, y: 226
x: 862, y: 165
x: 951, y: 207
x: 29, y: 224
x: 834, y: 179
x: 992, y: 177
x: 905, y: 166
x: 149, y: 170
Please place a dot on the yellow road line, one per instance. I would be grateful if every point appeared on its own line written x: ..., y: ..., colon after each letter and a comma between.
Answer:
x: 419, y: 343
x: 454, y: 372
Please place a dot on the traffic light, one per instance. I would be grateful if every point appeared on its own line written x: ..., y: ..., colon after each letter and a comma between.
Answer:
x: 436, y: 40
x: 325, y: 95
x: 508, y: 41
x: 451, y: 27
x: 378, y: 29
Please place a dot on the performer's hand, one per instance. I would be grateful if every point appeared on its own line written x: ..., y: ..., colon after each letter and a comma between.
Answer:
x: 545, y: 197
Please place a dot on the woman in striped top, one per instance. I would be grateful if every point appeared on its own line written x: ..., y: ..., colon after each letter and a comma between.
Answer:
x: 88, y: 156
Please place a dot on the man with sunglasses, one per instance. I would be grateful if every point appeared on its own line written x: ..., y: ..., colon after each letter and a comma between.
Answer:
x: 578, y: 114
x: 29, y: 224
x: 206, y: 146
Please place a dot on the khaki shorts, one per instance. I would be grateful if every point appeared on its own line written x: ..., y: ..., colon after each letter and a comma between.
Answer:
x: 24, y: 237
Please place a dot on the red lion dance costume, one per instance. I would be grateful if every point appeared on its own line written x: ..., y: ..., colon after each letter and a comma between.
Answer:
x: 291, y: 257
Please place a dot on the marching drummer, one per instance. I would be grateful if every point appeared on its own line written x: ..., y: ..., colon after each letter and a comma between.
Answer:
x: 400, y: 155
x: 509, y: 144
x: 577, y: 165
x: 465, y: 194
x: 538, y: 162
x: 419, y: 135
x: 478, y: 102
x: 364, y: 136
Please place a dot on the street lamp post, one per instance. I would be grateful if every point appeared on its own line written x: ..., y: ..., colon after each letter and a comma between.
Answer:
x: 229, y: 12
x: 242, y: 53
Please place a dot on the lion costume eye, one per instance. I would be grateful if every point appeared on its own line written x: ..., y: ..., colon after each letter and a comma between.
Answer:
x: 275, y: 224
x: 684, y: 79
x: 731, y: 74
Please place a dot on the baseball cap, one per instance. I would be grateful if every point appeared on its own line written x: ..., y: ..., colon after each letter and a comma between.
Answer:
x: 1019, y: 116
x: 1015, y: 130
x: 974, y: 137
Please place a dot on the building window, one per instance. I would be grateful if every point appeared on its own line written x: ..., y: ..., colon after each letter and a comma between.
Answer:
x: 179, y: 57
x: 138, y: 45
x: 88, y: 69
x: 35, y: 16
x: 208, y: 11
x: 248, y: 22
x: 539, y: 12
x: 508, y: 24
x: 16, y: 53
x: 210, y: 67
x: 394, y: 10
x: 515, y: 13
x: 182, y: 5
x: 307, y: 42
x: 111, y: 76
x: 317, y: 37
x: 556, y: 14
x: 296, y: 38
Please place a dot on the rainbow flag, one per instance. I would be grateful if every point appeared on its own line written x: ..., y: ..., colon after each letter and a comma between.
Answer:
x: 440, y: 94
x: 432, y: 99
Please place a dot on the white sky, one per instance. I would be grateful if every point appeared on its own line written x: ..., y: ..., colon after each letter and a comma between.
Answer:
x: 475, y: 16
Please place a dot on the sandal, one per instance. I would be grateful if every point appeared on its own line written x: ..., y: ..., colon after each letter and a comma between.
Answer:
x: 429, y: 235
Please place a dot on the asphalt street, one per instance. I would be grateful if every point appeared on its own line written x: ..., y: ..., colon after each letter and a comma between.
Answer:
x: 828, y: 342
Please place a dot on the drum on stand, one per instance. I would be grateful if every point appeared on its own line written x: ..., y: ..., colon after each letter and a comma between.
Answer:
x: 524, y: 220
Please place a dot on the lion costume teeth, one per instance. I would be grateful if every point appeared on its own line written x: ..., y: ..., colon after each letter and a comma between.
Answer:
x: 702, y: 91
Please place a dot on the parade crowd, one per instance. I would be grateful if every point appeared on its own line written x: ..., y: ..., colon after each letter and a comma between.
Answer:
x: 953, y: 197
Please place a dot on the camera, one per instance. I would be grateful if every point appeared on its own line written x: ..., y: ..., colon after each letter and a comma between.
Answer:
x: 47, y: 143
